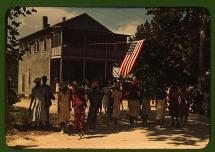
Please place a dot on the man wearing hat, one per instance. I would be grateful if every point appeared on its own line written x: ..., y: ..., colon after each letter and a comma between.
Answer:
x: 48, y: 97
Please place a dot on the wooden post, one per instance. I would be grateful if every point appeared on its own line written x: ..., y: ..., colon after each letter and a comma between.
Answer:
x: 49, y: 73
x: 84, y: 53
x: 106, y: 55
x: 106, y: 49
x: 61, y: 70
x: 85, y: 46
x: 105, y: 70
x: 61, y: 42
x: 84, y: 68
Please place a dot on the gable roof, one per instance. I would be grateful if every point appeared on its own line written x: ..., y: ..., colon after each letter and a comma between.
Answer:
x: 81, y: 22
x: 84, y: 22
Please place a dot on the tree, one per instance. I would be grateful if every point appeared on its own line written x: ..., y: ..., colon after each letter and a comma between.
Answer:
x: 13, y: 52
x: 170, y: 52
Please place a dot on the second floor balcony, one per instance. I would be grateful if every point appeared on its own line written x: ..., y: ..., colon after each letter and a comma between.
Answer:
x: 92, y: 52
x: 56, y: 51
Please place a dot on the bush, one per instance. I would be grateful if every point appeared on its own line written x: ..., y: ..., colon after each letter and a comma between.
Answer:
x: 12, y: 97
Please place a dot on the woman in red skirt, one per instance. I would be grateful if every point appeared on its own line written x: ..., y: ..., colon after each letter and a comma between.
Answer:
x: 79, y: 104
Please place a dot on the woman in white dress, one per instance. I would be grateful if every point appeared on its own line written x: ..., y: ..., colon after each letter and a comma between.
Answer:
x: 39, y: 115
x: 106, y: 98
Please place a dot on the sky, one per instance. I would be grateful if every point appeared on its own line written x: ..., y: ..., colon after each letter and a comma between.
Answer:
x: 118, y: 20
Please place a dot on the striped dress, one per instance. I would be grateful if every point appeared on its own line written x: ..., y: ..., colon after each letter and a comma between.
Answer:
x: 105, y: 99
x: 39, y: 110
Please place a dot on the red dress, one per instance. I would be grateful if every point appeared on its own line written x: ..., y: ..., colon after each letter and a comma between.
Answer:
x: 79, y: 110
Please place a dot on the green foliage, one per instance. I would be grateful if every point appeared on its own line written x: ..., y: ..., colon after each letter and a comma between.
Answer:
x: 13, y: 53
x: 171, y: 47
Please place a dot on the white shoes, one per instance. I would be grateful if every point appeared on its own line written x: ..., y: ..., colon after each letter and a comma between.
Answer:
x: 62, y: 131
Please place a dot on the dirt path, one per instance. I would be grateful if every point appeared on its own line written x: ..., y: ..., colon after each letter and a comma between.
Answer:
x: 194, y: 135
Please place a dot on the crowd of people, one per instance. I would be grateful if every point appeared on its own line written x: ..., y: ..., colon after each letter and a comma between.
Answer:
x: 107, y: 98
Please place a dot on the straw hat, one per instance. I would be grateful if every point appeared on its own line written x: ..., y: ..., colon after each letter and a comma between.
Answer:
x: 37, y: 80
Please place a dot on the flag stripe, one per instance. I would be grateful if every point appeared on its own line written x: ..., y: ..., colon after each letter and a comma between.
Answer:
x: 130, y: 58
x: 127, y: 62
x: 127, y: 57
x: 134, y: 57
x: 115, y: 73
x: 128, y: 67
x: 121, y: 70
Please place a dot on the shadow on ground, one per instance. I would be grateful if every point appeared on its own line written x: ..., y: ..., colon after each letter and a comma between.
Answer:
x: 22, y: 147
x: 196, y: 130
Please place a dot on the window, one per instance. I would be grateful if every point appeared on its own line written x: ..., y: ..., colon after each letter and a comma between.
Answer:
x: 56, y: 39
x: 29, y: 77
x: 26, y: 49
x: 23, y: 83
x: 29, y: 48
x: 41, y: 38
x: 37, y: 45
x: 30, y: 45
x: 48, y: 35
x: 21, y: 47
x: 32, y: 48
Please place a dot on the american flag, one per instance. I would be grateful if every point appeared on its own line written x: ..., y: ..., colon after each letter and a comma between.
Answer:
x: 130, y: 58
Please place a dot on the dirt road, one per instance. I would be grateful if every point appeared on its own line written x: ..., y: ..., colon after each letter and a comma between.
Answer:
x: 194, y: 135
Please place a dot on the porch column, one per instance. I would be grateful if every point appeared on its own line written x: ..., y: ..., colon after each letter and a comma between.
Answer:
x: 49, y: 74
x: 85, y: 45
x: 106, y: 56
x: 105, y: 70
x: 61, y: 66
x: 84, y: 68
x: 85, y: 50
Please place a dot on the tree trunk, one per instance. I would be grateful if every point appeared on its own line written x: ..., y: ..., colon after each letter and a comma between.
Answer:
x: 6, y: 100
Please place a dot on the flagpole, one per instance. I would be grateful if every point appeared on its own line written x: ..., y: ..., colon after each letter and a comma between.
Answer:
x: 112, y: 43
